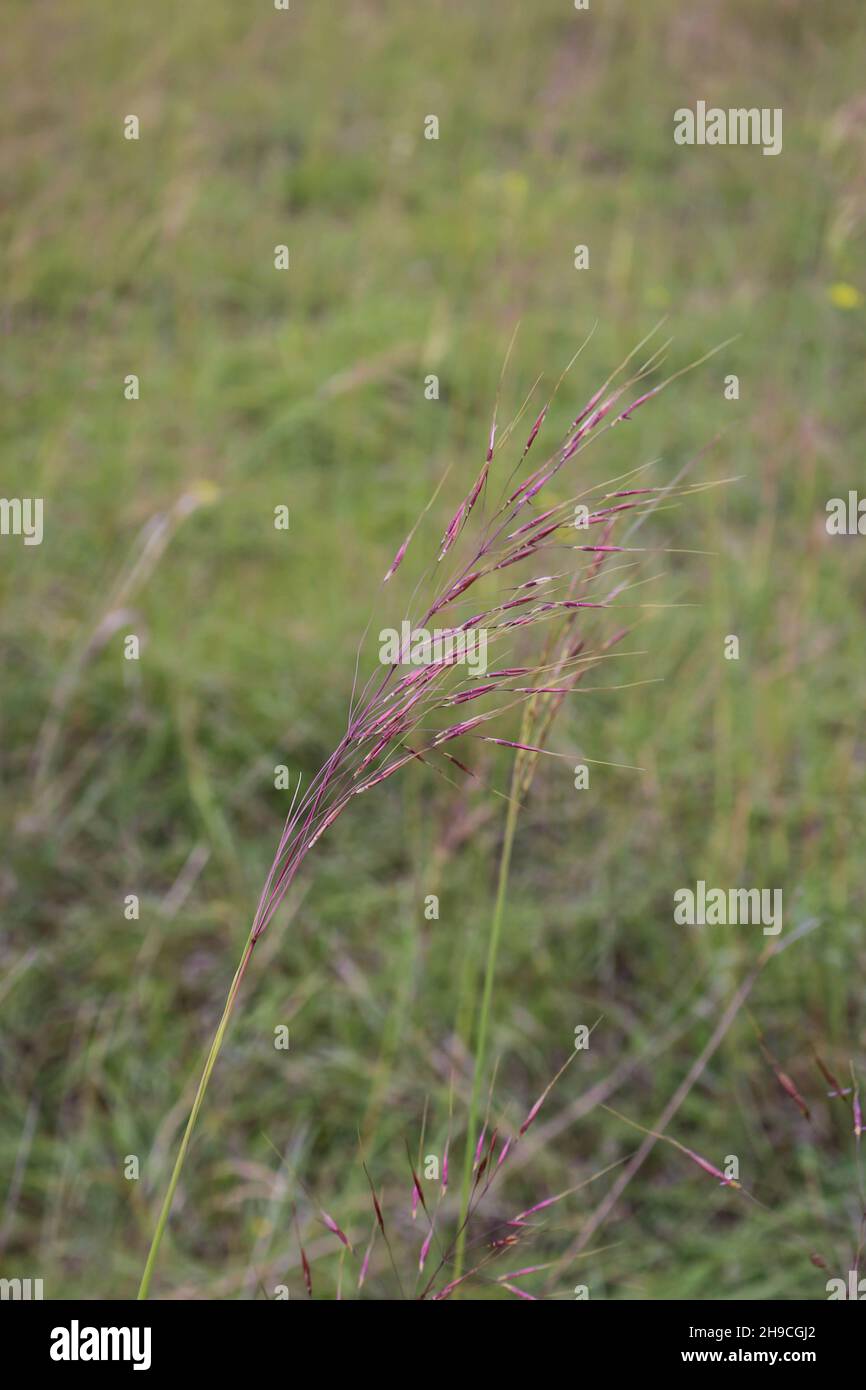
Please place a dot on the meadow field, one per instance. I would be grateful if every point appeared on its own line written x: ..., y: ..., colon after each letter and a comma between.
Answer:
x: 153, y: 779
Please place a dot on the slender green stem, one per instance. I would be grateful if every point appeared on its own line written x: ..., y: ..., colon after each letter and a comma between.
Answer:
x: 484, y: 1014
x: 193, y: 1116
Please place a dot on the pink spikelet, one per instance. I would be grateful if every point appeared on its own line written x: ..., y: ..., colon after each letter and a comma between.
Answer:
x: 532, y: 1114
x: 453, y: 530
x: 533, y: 433
x: 334, y: 1228
x: 837, y: 1090
x: 629, y: 411
x: 308, y: 1277
x: 520, y: 1218
x: 398, y: 559
x: 491, y: 441
x: 479, y: 1146
x: 790, y: 1089
x: 519, y: 1293
x: 365, y: 1263
x: 707, y: 1167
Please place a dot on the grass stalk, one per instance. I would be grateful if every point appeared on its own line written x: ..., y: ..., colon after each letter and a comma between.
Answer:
x: 209, y: 1065
x: 486, y: 1001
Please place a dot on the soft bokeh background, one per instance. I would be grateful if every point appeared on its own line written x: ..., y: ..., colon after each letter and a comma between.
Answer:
x: 257, y: 388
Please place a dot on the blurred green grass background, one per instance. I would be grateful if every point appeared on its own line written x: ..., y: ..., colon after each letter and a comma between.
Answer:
x: 411, y: 257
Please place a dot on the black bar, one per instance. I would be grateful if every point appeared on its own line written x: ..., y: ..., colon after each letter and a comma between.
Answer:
x: 228, y: 1337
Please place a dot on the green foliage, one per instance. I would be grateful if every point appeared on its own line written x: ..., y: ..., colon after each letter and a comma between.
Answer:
x: 411, y: 257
